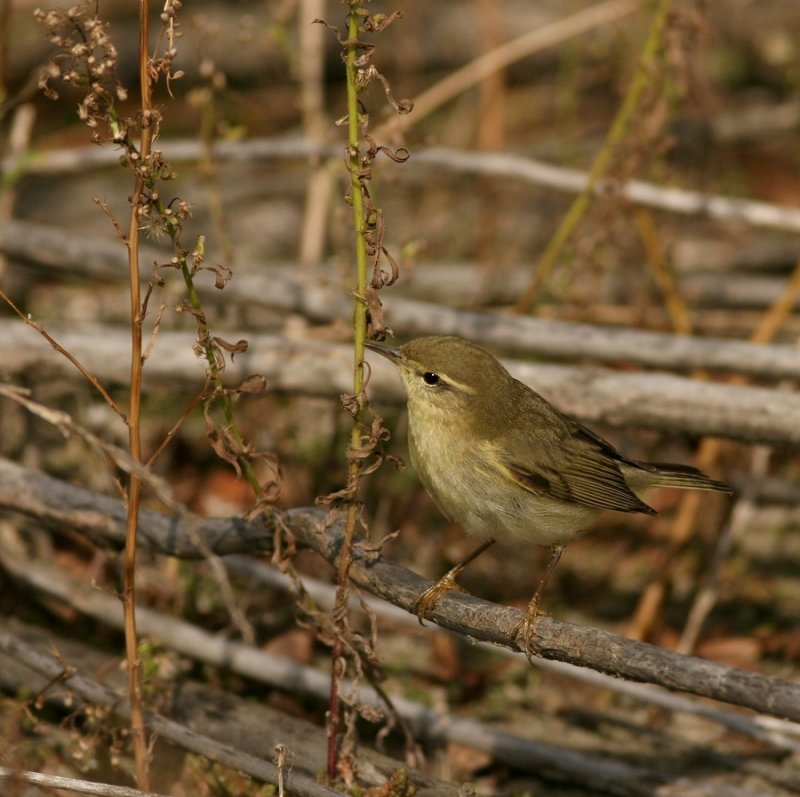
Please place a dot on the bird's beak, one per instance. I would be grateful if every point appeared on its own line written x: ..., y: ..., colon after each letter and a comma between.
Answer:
x: 395, y: 355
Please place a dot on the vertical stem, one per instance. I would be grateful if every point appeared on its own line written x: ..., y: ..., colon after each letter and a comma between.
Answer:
x: 134, y: 430
x: 580, y: 204
x: 359, y: 307
x: 359, y: 327
x: 677, y: 307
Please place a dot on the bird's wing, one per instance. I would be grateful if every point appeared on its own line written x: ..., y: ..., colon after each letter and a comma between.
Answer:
x: 573, y: 465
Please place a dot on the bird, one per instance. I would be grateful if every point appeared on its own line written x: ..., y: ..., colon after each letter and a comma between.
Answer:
x: 501, y: 461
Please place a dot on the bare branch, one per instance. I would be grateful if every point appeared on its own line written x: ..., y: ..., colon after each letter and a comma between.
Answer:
x: 618, y: 398
x: 673, y: 200
x: 102, y: 519
x: 61, y: 250
x: 76, y: 785
x: 774, y: 732
x: 92, y: 692
x: 427, y: 723
x: 90, y: 377
x: 572, y: 181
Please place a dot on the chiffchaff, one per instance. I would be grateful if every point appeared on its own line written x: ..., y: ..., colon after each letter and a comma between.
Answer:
x: 504, y: 463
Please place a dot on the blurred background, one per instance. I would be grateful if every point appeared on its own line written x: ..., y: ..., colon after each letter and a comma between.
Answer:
x: 250, y: 131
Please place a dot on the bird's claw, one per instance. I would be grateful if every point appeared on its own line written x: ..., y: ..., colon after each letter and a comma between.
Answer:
x: 428, y: 600
x: 524, y: 632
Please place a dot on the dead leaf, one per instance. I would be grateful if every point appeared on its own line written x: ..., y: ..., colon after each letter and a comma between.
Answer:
x: 234, y: 348
x: 255, y: 383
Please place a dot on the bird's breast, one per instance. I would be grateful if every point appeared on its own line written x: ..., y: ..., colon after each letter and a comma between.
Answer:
x: 460, y: 473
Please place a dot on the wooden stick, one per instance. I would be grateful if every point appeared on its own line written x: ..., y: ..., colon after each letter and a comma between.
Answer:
x: 102, y: 519
x: 59, y: 250
x: 595, y: 395
x: 670, y: 199
x: 92, y: 692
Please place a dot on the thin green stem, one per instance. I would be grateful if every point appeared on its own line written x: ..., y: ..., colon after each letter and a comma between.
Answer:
x: 642, y: 79
x: 359, y: 329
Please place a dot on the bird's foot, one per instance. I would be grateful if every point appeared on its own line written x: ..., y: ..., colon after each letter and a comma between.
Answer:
x: 427, y: 601
x: 524, y: 632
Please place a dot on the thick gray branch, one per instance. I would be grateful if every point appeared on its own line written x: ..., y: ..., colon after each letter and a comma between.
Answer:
x: 40, y: 496
x: 515, y: 167
x: 321, y: 301
x: 203, y: 710
x: 653, y: 400
x: 224, y: 716
x: 426, y: 723
x: 91, y: 691
x: 572, y: 181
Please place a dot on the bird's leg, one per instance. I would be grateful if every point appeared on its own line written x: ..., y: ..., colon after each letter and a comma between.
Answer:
x: 525, y: 629
x: 428, y: 599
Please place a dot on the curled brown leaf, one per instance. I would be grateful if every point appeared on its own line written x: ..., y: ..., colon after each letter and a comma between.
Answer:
x: 255, y: 383
x: 232, y: 348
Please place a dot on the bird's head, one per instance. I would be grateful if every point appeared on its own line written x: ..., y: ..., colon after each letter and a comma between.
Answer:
x: 449, y: 375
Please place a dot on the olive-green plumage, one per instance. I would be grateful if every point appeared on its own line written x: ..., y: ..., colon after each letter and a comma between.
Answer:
x: 502, y: 461
x: 507, y: 465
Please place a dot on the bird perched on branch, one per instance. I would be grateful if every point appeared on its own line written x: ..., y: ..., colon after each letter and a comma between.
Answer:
x: 504, y: 463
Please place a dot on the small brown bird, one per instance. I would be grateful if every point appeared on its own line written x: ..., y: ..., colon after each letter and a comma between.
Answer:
x: 504, y: 463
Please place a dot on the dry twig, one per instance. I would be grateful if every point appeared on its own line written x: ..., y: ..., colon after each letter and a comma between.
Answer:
x: 101, y: 519
x: 658, y: 400
x: 59, y: 250
x: 571, y: 181
x: 92, y: 692
x: 427, y: 723
x: 76, y: 785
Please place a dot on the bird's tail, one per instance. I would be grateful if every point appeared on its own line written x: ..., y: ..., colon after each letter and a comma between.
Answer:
x: 683, y: 477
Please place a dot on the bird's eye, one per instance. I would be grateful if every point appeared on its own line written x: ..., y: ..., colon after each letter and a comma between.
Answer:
x: 430, y: 378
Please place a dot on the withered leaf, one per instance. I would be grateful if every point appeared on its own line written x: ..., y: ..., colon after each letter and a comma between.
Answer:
x: 344, y: 493
x: 185, y: 307
x: 401, y: 154
x: 233, y: 348
x: 350, y: 403
x: 223, y: 443
x: 376, y: 327
x: 222, y: 275
x: 375, y: 23
x: 255, y: 383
